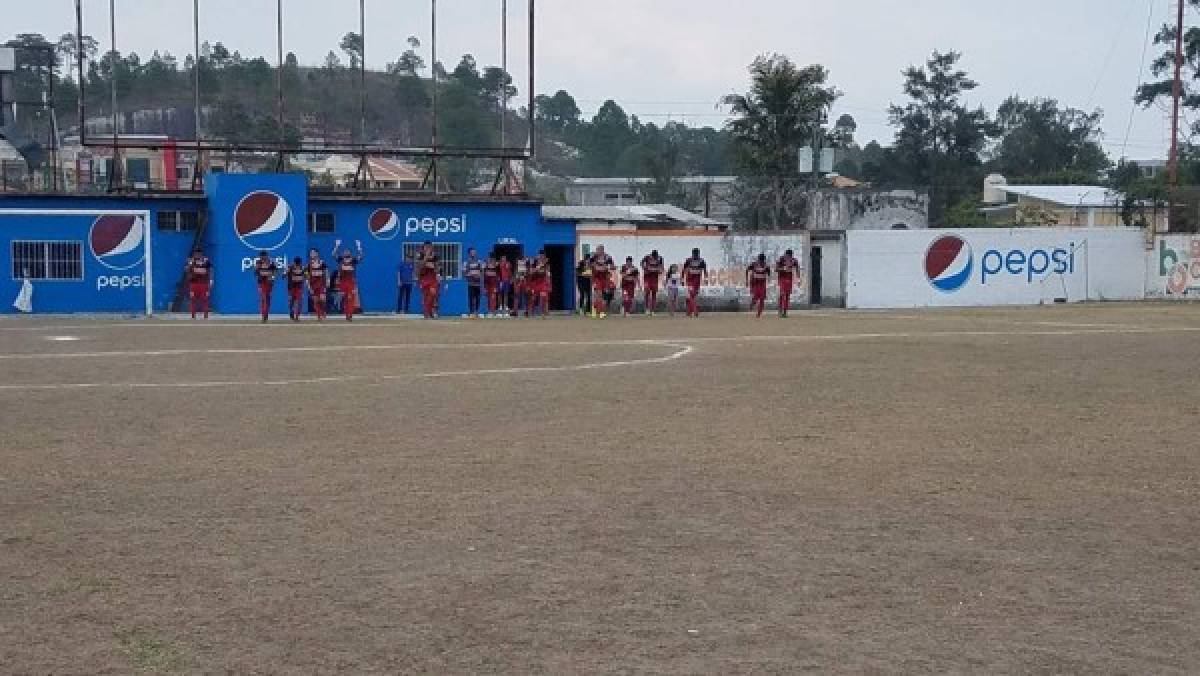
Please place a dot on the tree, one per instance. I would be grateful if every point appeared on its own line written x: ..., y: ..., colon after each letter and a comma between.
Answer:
x: 410, y: 63
x: 352, y: 46
x: 938, y: 139
x: 608, y: 137
x: 557, y: 113
x: 1042, y: 142
x: 770, y: 123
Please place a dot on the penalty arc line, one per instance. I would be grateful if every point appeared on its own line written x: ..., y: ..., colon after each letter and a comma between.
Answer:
x: 680, y: 352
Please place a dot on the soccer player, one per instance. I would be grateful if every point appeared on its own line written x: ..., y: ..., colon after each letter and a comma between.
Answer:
x: 297, y: 275
x: 757, y: 274
x: 652, y: 269
x: 539, y: 284
x: 317, y: 273
x: 348, y: 277
x: 672, y: 288
x: 521, y: 287
x: 264, y: 275
x: 603, y: 269
x: 695, y: 273
x: 506, y: 274
x: 491, y: 283
x: 629, y: 286
x: 583, y: 282
x: 200, y: 281
x: 473, y: 273
x: 785, y: 272
x: 430, y: 277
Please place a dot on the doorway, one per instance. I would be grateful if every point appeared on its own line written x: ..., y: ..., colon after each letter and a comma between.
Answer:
x: 562, y: 264
x: 815, y: 284
x: 513, y: 253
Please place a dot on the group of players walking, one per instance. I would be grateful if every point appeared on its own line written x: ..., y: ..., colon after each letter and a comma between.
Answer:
x: 505, y: 287
x: 599, y: 277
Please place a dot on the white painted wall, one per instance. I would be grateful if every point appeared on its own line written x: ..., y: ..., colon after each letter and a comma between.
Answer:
x: 887, y: 269
x: 1173, y: 268
x: 727, y: 256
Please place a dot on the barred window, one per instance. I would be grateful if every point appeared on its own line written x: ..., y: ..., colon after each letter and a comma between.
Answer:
x: 449, y: 256
x: 320, y: 222
x: 178, y: 221
x: 47, y: 260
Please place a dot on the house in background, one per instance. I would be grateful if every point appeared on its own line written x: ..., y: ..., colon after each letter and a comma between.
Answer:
x: 1060, y: 205
x: 711, y: 196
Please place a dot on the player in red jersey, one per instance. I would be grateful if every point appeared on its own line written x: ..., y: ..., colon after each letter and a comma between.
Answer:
x: 603, y: 270
x: 317, y: 273
x: 539, y: 285
x: 653, y: 267
x: 695, y: 273
x: 348, y: 277
x: 757, y: 275
x: 630, y: 275
x: 785, y: 271
x: 200, y: 281
x: 491, y: 283
x: 297, y: 275
x: 265, y: 271
x: 430, y: 277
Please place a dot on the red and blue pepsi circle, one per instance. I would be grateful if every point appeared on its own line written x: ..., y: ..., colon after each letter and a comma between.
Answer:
x: 263, y: 221
x: 949, y: 262
x: 384, y: 224
x: 117, y: 241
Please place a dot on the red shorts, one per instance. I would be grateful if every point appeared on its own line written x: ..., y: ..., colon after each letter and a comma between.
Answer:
x: 347, y: 285
x: 295, y: 293
x: 539, y: 286
x: 265, y: 288
x: 429, y: 283
x: 318, y: 290
x: 651, y: 283
x: 199, y: 290
x: 693, y: 286
x: 758, y: 289
x: 629, y: 287
x: 600, y: 282
x: 491, y: 286
x: 785, y: 285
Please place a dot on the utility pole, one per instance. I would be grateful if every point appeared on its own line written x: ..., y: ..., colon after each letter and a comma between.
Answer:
x: 1177, y: 93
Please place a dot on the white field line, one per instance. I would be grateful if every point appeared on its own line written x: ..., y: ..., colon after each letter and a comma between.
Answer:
x: 681, y: 351
x: 831, y: 337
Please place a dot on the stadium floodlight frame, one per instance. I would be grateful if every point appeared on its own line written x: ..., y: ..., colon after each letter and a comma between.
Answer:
x: 432, y: 153
x: 147, y: 234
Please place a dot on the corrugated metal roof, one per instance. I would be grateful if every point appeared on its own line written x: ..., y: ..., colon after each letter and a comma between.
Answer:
x: 1081, y: 196
x: 605, y: 214
x: 673, y: 213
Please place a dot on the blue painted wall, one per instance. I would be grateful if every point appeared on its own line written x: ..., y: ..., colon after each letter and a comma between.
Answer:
x: 100, y: 290
x: 233, y: 245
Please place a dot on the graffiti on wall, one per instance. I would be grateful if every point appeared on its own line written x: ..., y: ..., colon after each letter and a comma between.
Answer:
x: 1179, y: 265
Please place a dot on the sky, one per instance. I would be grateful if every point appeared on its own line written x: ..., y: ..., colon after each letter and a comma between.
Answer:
x: 672, y: 60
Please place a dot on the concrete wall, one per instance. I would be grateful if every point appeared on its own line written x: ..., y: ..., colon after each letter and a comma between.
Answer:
x: 1173, y: 268
x: 728, y: 256
x: 868, y: 210
x: 993, y: 267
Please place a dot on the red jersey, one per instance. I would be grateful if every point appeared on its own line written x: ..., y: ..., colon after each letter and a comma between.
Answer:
x: 296, y: 274
x: 505, y: 270
x: 427, y: 267
x: 199, y: 269
x: 629, y: 274
x: 652, y: 266
x: 318, y: 274
x: 758, y: 272
x: 491, y: 273
x: 693, y: 271
x: 347, y: 270
x: 601, y: 266
x: 786, y: 267
x: 265, y: 271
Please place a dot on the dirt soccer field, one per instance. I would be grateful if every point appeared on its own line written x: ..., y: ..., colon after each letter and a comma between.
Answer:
x: 995, y: 490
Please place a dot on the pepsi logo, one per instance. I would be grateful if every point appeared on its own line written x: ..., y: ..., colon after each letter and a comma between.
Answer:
x: 948, y: 263
x: 384, y: 224
x: 116, y: 241
x: 263, y: 221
